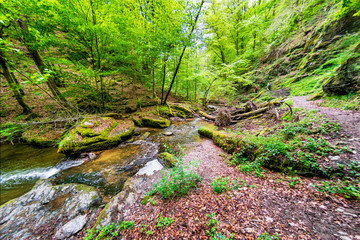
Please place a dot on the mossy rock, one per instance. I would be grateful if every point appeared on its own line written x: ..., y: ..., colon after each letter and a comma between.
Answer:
x: 96, y: 134
x: 168, y: 158
x: 183, y: 111
x: 206, y: 132
x: 227, y: 141
x: 152, y: 122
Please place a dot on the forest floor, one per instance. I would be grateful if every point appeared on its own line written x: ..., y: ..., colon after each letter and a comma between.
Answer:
x: 257, y: 207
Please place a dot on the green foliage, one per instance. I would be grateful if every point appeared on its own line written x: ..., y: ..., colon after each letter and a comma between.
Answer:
x: 267, y: 236
x: 163, y: 221
x: 212, y: 223
x: 177, y: 181
x: 11, y: 131
x: 110, y: 231
x: 220, y: 184
x: 344, y: 188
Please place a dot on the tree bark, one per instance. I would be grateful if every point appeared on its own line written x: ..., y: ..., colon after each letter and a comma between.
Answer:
x: 163, y: 81
x: 28, y: 39
x: 183, y: 51
x: 13, y: 83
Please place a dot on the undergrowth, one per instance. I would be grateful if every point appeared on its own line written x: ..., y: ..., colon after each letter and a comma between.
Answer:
x: 110, y: 231
x: 177, y: 181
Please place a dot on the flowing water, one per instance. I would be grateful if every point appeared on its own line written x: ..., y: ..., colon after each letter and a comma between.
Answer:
x: 22, y: 166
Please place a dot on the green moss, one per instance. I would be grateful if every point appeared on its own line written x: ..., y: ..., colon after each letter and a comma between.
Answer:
x: 85, y: 188
x: 206, y: 132
x: 152, y: 122
x: 82, y: 138
x: 169, y: 158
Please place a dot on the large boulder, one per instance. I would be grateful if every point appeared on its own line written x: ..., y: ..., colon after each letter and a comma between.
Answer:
x: 47, y: 209
x: 144, y: 121
x: 134, y: 190
x: 96, y: 134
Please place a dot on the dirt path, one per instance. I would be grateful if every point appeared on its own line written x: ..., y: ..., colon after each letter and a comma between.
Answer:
x: 257, y: 206
x: 349, y: 120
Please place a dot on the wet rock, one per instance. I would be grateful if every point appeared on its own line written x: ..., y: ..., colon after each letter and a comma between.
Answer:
x: 150, y: 168
x: 132, y: 192
x: 96, y: 134
x: 144, y: 136
x: 168, y: 133
x: 71, y: 227
x: 44, y: 207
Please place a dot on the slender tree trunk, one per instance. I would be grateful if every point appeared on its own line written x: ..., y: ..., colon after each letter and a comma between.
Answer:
x: 27, y: 39
x: 153, y: 78
x: 183, y: 51
x: 163, y: 81
x: 21, y: 90
x: 254, y: 41
x: 13, y: 83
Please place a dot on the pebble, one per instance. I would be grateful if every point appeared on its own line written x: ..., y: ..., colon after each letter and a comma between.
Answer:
x: 334, y: 158
x: 168, y: 133
x: 323, y: 207
x: 345, y: 238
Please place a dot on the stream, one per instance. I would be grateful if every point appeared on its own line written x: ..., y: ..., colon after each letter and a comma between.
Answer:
x: 22, y: 165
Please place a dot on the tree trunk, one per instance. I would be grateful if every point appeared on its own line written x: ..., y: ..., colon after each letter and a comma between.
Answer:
x: 183, y: 51
x: 28, y: 39
x: 13, y: 83
x: 153, y: 78
x: 163, y: 81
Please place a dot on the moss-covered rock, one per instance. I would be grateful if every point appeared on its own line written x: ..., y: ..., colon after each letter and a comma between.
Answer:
x: 95, y: 134
x: 182, y: 111
x: 206, y: 132
x: 227, y: 141
x: 168, y: 158
x: 152, y: 122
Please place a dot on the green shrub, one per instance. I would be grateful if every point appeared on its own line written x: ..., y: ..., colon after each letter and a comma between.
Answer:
x: 109, y: 231
x: 163, y: 221
x: 177, y: 182
x: 344, y: 188
x: 220, y: 184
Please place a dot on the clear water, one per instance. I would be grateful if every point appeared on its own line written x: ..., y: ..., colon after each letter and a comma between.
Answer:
x: 22, y: 165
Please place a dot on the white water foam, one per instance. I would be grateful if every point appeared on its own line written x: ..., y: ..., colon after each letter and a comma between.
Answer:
x: 38, y: 173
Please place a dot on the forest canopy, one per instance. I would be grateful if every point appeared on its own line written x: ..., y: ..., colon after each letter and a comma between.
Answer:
x: 76, y: 51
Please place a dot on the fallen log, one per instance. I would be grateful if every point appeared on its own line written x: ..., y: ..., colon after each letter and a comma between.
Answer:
x: 250, y: 114
x: 256, y: 96
x: 207, y: 116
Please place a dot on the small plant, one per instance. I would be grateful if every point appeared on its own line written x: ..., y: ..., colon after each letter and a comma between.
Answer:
x: 238, y: 184
x: 177, y: 182
x: 212, y: 223
x: 344, y: 188
x: 163, y: 221
x: 220, y: 184
x: 149, y: 232
x: 267, y: 236
x: 108, y: 231
x: 293, y: 181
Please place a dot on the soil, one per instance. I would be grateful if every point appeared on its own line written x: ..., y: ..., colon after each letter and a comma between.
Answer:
x: 264, y: 205
x: 349, y: 120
